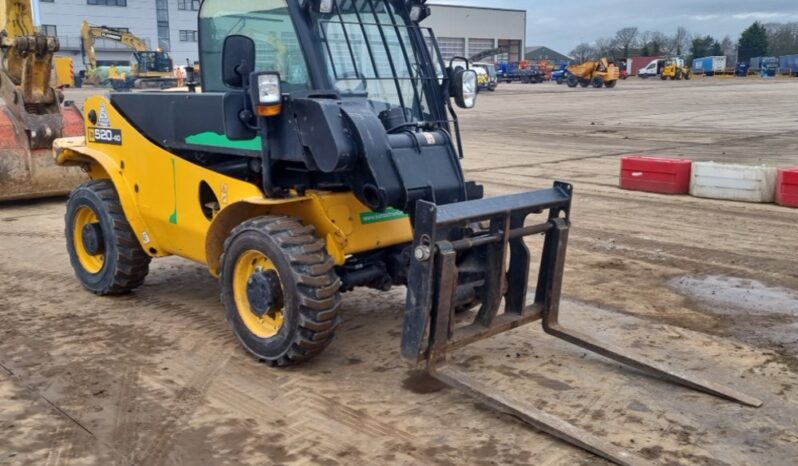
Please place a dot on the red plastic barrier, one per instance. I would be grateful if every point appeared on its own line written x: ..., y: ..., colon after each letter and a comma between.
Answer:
x: 656, y: 175
x: 787, y: 187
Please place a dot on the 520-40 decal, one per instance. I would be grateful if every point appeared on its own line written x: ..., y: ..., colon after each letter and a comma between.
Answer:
x: 105, y: 136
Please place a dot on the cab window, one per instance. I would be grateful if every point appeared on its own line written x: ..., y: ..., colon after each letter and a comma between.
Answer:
x: 268, y: 23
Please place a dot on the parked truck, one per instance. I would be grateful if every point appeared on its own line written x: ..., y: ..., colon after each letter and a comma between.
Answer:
x: 788, y: 64
x: 767, y: 67
x: 708, y: 66
x: 520, y: 72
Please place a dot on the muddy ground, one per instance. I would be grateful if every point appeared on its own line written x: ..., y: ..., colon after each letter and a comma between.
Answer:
x: 157, y: 378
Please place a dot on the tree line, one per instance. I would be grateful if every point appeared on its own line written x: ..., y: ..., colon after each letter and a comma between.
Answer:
x: 772, y: 39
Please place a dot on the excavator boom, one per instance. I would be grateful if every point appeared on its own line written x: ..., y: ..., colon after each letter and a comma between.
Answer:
x: 152, y: 65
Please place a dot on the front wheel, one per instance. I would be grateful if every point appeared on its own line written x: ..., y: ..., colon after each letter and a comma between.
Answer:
x: 103, y: 250
x: 597, y: 82
x: 279, y: 290
x: 610, y: 84
x: 572, y: 81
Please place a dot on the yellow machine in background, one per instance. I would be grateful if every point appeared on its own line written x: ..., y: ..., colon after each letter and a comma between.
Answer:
x: 596, y: 73
x: 31, y: 114
x: 152, y: 68
x: 64, y: 71
x: 675, y: 69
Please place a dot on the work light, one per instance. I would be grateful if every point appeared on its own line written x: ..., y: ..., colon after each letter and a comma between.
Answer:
x: 267, y: 93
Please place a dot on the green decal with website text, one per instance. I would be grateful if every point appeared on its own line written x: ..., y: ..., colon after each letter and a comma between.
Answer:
x: 367, y: 218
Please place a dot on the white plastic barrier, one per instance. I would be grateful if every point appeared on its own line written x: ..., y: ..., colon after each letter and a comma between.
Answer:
x: 733, y: 182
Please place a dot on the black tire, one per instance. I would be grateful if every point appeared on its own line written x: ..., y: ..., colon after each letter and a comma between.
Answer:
x: 688, y: 76
x: 663, y: 77
x: 597, y: 82
x: 572, y: 81
x: 560, y: 80
x: 124, y: 264
x: 610, y: 84
x: 584, y: 82
x: 310, y: 295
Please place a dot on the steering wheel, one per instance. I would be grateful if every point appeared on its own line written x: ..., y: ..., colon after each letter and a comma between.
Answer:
x: 343, y: 84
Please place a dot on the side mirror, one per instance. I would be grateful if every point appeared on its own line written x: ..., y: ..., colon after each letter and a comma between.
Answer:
x: 464, y: 88
x: 238, y: 60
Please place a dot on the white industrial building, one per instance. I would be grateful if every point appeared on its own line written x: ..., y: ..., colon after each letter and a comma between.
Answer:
x: 467, y: 30
x: 172, y: 26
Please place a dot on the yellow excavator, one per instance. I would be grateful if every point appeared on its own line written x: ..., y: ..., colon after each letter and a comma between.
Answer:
x: 31, y: 110
x: 153, y: 68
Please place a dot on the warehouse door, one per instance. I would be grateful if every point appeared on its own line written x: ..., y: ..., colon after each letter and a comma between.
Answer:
x: 476, y: 46
x: 452, y: 47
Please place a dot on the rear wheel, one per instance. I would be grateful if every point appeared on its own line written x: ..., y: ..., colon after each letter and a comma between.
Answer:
x: 584, y: 82
x: 597, y: 82
x: 559, y: 80
x: 104, y: 251
x: 279, y: 289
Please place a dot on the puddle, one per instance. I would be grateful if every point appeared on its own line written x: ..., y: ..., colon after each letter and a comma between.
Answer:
x: 755, y: 313
x: 422, y: 383
x: 730, y: 295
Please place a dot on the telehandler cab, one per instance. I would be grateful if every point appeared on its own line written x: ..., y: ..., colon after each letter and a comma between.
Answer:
x: 323, y: 155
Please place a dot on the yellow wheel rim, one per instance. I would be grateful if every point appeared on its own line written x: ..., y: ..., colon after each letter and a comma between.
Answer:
x: 248, y: 264
x: 92, y: 263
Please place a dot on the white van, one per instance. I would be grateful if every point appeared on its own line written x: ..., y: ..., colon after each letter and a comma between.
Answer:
x: 652, y: 70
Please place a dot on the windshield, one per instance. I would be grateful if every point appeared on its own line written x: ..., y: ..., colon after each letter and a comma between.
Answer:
x: 153, y: 61
x: 369, y: 54
x: 268, y: 23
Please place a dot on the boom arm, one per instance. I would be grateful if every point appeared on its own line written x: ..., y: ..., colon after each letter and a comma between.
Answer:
x: 89, y: 33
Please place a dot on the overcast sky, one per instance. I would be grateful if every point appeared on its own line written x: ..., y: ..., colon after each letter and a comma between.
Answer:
x: 561, y: 24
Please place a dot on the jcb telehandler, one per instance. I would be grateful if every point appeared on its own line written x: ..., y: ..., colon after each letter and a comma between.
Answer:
x: 323, y: 155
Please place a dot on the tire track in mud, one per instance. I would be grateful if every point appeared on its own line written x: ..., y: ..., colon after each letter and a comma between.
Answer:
x: 652, y: 151
x: 31, y: 234
x: 185, y: 402
x: 689, y: 258
x: 128, y: 411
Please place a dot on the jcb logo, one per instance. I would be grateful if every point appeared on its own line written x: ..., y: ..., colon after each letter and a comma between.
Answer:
x: 105, y: 136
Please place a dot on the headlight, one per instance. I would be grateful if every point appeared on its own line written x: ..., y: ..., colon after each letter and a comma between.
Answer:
x: 265, y: 92
x: 269, y: 89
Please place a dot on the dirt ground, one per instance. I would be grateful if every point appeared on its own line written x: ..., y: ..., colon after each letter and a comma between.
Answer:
x: 156, y: 377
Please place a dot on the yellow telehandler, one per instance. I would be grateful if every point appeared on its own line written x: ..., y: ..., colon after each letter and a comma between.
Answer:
x: 675, y: 69
x: 317, y: 159
x: 31, y: 110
